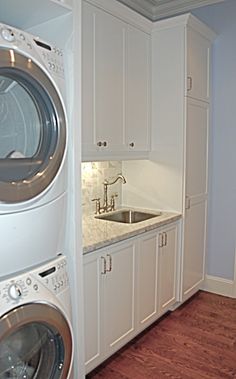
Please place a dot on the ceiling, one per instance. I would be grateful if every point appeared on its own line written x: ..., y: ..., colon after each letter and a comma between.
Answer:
x: 157, y: 9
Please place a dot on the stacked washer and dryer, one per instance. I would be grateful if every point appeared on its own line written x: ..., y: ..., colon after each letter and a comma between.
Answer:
x: 36, y: 339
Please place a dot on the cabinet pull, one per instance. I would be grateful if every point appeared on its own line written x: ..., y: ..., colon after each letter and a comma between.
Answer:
x: 187, y: 202
x: 104, y: 266
x: 110, y: 263
x: 161, y: 240
x: 105, y: 143
x: 131, y: 144
x: 99, y: 144
x: 189, y: 83
x: 165, y: 239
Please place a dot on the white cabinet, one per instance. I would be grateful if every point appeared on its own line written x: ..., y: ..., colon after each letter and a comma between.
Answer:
x: 119, y: 296
x: 198, y: 65
x: 196, y: 195
x: 115, y: 85
x: 102, y: 82
x: 167, y: 273
x: 181, y: 51
x: 157, y: 277
x: 109, y: 283
x: 147, y: 280
x: 127, y: 286
x: 137, y: 130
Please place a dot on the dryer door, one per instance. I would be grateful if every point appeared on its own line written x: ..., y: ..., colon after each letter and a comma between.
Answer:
x: 35, y: 343
x: 32, y: 128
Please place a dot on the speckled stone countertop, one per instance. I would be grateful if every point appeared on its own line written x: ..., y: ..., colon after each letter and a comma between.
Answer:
x: 100, y: 233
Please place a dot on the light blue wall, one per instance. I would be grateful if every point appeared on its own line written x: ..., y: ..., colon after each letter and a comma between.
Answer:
x: 222, y: 206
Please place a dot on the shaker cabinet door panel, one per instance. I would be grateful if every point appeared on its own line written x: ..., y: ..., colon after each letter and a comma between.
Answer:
x: 137, y: 130
x: 167, y: 268
x: 118, y: 312
x: 103, y: 47
x: 194, y: 248
x: 147, y: 276
x: 197, y: 148
x: 109, y: 43
x: 198, y: 65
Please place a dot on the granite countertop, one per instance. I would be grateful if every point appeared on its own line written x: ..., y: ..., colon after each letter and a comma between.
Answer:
x: 100, y: 233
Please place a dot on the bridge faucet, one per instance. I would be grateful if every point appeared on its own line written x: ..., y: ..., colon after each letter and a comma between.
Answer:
x: 106, y: 207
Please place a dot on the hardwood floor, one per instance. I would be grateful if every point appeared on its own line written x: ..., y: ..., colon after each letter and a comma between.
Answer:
x: 197, y: 341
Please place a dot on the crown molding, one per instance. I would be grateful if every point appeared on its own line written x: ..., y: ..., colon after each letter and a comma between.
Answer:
x: 184, y: 20
x: 157, y: 9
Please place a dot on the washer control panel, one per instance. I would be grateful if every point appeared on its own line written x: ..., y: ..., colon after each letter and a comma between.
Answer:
x: 51, y: 56
x: 53, y: 276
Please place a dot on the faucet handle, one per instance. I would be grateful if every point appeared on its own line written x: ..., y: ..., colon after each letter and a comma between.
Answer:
x: 98, y: 206
x: 113, y: 204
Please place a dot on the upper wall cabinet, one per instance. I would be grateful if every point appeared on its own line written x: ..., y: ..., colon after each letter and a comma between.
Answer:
x: 198, y: 65
x: 115, y: 86
x: 137, y: 90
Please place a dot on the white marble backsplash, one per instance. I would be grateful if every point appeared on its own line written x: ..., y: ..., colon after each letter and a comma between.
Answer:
x: 93, y: 176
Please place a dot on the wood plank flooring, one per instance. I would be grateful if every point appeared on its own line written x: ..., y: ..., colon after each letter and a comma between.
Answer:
x: 197, y: 341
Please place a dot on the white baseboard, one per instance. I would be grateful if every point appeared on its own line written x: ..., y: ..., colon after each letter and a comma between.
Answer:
x: 219, y: 286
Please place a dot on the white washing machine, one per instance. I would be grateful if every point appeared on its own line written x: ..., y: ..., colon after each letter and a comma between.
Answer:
x: 36, y: 340
x: 33, y: 159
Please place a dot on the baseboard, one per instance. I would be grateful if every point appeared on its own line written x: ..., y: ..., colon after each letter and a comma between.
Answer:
x: 219, y: 286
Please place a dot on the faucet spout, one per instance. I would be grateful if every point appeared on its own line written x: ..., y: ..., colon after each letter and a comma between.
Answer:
x: 119, y: 176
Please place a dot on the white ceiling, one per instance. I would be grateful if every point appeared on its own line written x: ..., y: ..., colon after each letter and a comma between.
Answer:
x: 156, y: 9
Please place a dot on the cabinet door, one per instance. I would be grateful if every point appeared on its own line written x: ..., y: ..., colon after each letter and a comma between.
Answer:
x: 168, y: 248
x: 137, y: 128
x: 147, y: 275
x: 103, y: 80
x: 92, y: 310
x: 197, y: 130
x: 196, y: 196
x: 198, y: 64
x: 118, y: 311
x: 194, y: 248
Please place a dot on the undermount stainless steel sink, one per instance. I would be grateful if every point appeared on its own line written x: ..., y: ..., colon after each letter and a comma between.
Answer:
x: 128, y: 216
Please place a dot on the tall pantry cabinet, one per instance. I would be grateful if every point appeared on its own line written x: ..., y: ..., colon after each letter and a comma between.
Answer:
x: 181, y: 53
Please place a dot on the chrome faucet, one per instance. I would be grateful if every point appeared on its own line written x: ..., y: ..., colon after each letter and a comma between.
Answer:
x: 108, y: 207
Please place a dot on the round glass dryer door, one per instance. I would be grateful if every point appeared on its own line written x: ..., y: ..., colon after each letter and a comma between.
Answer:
x: 32, y: 128
x: 35, y: 343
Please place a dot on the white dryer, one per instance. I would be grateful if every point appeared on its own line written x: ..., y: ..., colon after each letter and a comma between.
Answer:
x: 36, y: 340
x: 33, y: 159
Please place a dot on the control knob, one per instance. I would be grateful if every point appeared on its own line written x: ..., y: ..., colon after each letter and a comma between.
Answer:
x: 15, y: 291
x: 7, y: 34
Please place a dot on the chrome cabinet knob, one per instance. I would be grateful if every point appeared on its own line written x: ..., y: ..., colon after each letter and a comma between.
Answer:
x: 100, y: 143
x: 131, y: 144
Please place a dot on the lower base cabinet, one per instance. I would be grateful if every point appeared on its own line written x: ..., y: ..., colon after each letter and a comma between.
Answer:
x: 127, y: 286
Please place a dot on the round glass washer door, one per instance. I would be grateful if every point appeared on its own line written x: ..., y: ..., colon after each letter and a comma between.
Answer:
x: 35, y: 343
x: 32, y: 128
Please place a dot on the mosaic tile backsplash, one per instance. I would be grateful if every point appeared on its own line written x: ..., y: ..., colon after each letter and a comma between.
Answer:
x: 93, y: 176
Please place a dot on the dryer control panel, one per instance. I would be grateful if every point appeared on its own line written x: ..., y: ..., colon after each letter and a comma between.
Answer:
x: 51, y: 56
x: 52, y: 276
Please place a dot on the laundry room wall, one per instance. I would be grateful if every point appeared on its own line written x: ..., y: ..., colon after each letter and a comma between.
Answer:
x: 221, y: 222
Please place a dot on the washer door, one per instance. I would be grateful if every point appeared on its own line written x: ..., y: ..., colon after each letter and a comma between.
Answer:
x: 35, y: 343
x: 32, y: 128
